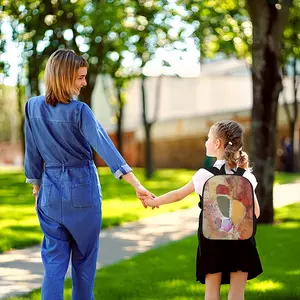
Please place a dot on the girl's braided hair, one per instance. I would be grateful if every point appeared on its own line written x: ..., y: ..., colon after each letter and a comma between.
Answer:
x: 231, y: 134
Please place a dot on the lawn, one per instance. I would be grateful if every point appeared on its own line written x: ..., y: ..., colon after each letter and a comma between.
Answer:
x: 19, y: 225
x: 168, y: 272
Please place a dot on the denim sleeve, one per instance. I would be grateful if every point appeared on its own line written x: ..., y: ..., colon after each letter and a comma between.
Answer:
x: 33, y: 162
x: 97, y: 137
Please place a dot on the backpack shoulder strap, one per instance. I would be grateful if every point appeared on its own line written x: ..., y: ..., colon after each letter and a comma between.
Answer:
x: 213, y: 170
x: 222, y: 170
x: 216, y: 171
x: 240, y: 171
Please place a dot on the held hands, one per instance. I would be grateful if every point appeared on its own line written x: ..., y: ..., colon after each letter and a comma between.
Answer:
x: 143, y: 194
x: 149, y: 201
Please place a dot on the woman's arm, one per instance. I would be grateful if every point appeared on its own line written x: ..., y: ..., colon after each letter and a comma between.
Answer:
x: 172, y: 196
x: 98, y: 138
x: 33, y: 161
x: 141, y: 192
x: 131, y: 179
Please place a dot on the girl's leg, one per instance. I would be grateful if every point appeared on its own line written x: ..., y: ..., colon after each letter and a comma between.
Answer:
x: 238, y: 282
x: 212, y: 286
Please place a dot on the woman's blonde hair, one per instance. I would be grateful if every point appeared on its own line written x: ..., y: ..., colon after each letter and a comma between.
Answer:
x: 60, y: 75
x: 231, y: 133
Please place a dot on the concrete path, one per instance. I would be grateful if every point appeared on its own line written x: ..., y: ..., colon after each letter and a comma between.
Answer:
x: 21, y: 270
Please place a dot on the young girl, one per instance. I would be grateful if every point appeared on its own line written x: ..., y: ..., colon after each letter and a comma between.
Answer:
x: 221, y: 261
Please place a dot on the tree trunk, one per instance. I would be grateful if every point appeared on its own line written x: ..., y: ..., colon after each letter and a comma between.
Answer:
x: 147, y: 127
x: 20, y: 95
x: 293, y: 128
x: 148, y: 151
x: 33, y: 75
x: 120, y: 120
x: 268, y: 23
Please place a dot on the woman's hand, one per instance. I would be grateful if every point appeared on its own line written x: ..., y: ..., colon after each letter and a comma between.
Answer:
x: 35, y: 193
x: 143, y: 194
x: 151, y: 202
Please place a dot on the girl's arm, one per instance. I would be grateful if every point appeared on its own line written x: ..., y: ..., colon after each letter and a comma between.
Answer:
x: 172, y: 196
x: 256, y: 207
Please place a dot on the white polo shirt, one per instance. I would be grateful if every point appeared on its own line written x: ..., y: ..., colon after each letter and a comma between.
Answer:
x: 202, y: 175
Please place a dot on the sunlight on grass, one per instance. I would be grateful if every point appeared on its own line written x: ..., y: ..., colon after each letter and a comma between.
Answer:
x: 168, y: 272
x: 291, y: 225
x: 265, y: 286
x: 293, y: 272
x: 172, y: 283
x: 287, y: 214
x: 18, y: 217
x: 282, y: 178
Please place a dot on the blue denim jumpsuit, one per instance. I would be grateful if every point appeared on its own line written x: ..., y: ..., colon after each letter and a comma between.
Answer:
x: 58, y: 157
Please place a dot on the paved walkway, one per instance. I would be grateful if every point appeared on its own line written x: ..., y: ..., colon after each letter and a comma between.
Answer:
x: 21, y: 270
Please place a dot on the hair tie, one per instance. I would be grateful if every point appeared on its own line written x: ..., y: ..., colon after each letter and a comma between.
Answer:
x: 230, y: 143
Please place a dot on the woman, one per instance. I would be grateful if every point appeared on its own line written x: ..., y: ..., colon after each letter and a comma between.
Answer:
x: 59, y: 136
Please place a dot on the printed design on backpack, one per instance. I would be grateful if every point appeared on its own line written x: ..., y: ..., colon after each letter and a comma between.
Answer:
x: 228, y: 208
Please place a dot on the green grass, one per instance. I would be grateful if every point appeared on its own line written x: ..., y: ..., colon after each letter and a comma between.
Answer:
x: 19, y: 225
x: 168, y: 272
x: 282, y: 178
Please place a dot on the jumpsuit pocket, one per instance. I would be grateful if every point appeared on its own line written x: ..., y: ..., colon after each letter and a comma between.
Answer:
x: 44, y: 200
x: 81, y: 195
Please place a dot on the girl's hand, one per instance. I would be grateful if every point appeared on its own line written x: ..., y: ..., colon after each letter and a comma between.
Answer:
x: 142, y: 194
x: 151, y: 202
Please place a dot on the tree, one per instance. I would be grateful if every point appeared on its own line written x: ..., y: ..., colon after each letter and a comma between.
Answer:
x: 94, y: 29
x: 151, y: 23
x: 116, y: 94
x: 102, y: 26
x: 115, y: 67
x: 39, y: 28
x: 291, y: 57
x: 4, y: 66
x: 268, y: 20
x: 85, y: 26
x: 21, y: 104
x: 224, y: 26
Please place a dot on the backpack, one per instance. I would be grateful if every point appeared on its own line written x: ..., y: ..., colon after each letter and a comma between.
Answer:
x: 228, y: 206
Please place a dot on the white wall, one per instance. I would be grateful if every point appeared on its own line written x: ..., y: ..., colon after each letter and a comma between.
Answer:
x: 183, y: 101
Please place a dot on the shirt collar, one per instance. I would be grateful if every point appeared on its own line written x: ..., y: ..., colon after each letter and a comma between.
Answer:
x: 219, y: 163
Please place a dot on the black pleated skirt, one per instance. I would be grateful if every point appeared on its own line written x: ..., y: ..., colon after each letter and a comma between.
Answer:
x: 214, y: 256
